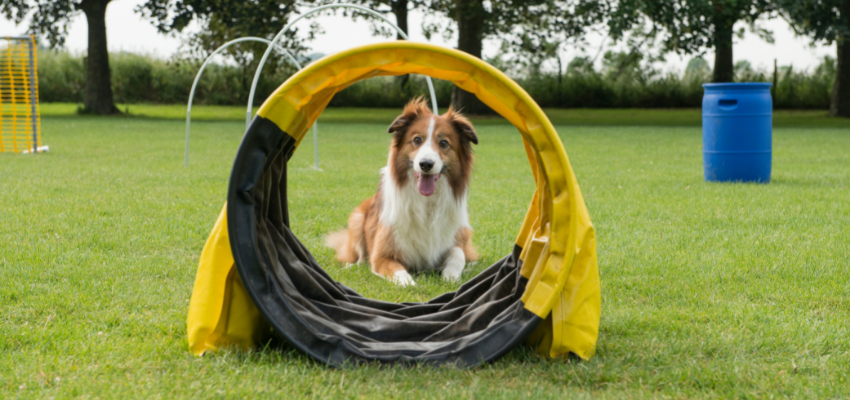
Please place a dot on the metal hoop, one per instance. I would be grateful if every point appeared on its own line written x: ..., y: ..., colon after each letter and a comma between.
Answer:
x: 249, y: 111
x: 201, y: 71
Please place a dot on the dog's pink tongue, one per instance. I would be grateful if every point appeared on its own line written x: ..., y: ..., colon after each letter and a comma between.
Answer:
x: 427, y: 183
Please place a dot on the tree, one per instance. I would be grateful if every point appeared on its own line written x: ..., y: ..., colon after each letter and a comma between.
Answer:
x: 692, y: 25
x: 697, y: 70
x: 826, y: 21
x: 537, y: 27
x: 399, y: 8
x: 474, y: 23
x: 541, y: 36
x: 51, y: 19
x: 225, y: 20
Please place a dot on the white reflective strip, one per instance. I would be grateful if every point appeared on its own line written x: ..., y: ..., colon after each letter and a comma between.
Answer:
x: 430, y: 130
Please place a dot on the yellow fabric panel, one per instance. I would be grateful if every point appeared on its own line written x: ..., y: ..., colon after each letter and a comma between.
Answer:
x: 577, y: 304
x: 221, y: 313
x: 531, y: 222
x: 557, y: 235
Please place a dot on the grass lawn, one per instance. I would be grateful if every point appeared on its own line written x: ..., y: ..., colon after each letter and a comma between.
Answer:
x: 381, y: 116
x: 708, y: 290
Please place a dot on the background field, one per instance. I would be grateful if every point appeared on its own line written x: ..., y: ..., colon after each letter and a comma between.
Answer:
x: 621, y: 81
x: 383, y: 116
x: 709, y: 290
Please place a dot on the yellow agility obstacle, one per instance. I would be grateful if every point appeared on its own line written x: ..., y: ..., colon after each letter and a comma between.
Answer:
x: 20, y: 123
x: 256, y: 280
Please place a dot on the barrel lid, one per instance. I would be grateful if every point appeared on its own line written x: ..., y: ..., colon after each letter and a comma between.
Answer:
x: 737, y: 86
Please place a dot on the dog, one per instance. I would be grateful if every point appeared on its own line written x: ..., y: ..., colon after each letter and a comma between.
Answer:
x: 418, y: 220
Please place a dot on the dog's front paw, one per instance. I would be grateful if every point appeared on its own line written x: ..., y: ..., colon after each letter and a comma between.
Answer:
x: 402, y: 278
x: 452, y: 275
x: 453, y: 268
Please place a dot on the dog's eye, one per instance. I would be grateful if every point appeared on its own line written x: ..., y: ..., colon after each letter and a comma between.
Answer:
x: 444, y: 144
x: 417, y: 140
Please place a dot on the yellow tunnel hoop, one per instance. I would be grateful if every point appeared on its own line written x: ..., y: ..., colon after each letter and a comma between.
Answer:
x: 557, y: 238
x: 296, y: 105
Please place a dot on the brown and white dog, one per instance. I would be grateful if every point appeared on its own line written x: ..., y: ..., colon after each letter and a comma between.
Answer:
x: 418, y: 220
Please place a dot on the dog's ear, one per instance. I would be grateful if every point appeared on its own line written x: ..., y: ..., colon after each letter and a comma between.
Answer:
x: 462, y: 125
x: 400, y: 124
x: 414, y: 110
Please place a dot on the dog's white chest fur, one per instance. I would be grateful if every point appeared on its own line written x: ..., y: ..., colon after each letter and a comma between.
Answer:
x: 424, y: 228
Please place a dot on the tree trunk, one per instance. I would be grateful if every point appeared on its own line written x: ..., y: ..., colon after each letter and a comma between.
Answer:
x: 98, y: 94
x: 470, y: 28
x: 840, y: 104
x: 724, y: 68
x: 560, y: 79
x: 400, y: 11
x: 775, y: 80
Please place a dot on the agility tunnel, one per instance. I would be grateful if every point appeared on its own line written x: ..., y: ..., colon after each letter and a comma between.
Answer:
x: 256, y: 280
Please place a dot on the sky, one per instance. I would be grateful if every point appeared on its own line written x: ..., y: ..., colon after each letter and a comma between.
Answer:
x: 128, y: 31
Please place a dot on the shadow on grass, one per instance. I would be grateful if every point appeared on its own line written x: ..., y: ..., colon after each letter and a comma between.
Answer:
x: 809, y: 182
x: 277, y: 351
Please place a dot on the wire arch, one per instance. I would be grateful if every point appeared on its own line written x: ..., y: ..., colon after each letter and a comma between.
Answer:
x: 201, y: 71
x: 249, y: 111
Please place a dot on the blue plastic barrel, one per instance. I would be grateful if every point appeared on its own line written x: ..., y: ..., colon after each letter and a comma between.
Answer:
x: 737, y: 130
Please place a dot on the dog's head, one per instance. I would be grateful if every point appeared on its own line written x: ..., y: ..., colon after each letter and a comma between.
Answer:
x: 427, y: 147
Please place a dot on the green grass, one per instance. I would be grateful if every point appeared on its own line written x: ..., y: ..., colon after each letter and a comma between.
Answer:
x: 568, y: 117
x: 708, y: 290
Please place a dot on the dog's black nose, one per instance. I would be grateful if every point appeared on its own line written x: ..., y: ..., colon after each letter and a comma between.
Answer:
x: 426, y: 165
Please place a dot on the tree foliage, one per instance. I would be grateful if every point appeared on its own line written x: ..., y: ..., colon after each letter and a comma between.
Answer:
x: 537, y: 21
x: 221, y: 21
x: 691, y: 26
x: 543, y: 30
x: 827, y: 21
x: 400, y: 9
x: 50, y: 20
x: 530, y: 30
x: 224, y: 20
x: 822, y: 20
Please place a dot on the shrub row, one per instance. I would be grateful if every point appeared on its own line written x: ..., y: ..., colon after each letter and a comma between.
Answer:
x: 143, y: 79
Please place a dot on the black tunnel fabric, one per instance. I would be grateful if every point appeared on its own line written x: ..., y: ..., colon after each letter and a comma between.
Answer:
x: 480, y: 322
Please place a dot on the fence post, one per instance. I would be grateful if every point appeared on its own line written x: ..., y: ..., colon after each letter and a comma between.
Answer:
x: 775, y: 77
x: 33, y: 84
